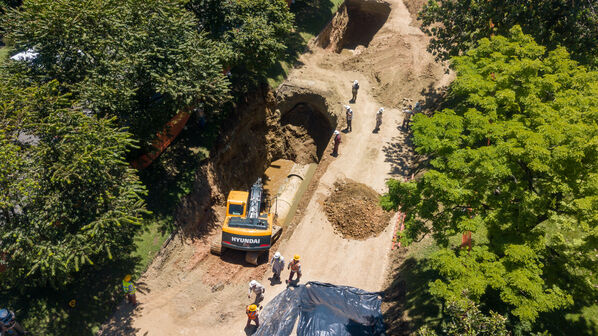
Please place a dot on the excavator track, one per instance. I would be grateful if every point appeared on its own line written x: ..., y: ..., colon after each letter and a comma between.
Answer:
x: 216, y: 246
x: 252, y: 257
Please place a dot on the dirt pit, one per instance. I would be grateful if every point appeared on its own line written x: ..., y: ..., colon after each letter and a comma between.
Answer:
x: 306, y: 133
x: 354, y: 210
x: 355, y: 24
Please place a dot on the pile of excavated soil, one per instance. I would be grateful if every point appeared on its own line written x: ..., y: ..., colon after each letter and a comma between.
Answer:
x: 354, y: 210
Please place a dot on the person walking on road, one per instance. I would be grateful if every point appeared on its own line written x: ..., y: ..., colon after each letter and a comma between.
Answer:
x: 354, y: 89
x: 295, y: 266
x: 277, y: 263
x: 252, y: 315
x: 129, y: 289
x: 258, y: 289
x: 349, y: 115
x: 417, y: 108
x: 407, y: 114
x: 8, y: 324
x: 378, y: 119
x: 337, y: 141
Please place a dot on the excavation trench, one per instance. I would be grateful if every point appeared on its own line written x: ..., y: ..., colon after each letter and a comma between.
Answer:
x: 355, y: 24
x: 282, y: 142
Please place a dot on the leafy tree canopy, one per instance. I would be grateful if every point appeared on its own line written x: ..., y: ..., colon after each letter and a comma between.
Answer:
x: 255, y: 30
x: 515, y: 162
x: 457, y: 25
x: 139, y: 61
x: 465, y: 318
x: 67, y: 198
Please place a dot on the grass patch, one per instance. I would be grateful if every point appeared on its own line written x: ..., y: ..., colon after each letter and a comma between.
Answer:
x: 148, y: 243
x: 4, y: 51
x: 408, y: 305
x: 310, y: 18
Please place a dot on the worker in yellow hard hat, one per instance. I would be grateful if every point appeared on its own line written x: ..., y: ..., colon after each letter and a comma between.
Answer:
x: 295, y: 266
x: 252, y: 315
x: 129, y: 289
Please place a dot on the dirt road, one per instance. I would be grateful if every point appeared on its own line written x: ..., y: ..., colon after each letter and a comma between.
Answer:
x: 181, y: 294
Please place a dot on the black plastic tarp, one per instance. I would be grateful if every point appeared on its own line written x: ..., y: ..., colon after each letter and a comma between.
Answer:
x: 323, y: 310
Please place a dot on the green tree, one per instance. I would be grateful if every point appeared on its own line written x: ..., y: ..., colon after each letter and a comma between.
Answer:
x: 256, y: 31
x: 515, y: 162
x: 67, y: 199
x: 465, y: 318
x: 457, y: 25
x: 139, y: 61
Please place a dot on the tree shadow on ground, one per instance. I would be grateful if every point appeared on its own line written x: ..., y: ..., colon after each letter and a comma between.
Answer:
x: 407, y: 303
x: 96, y: 294
x: 172, y: 175
x: 311, y: 16
x: 434, y: 99
x: 402, y: 158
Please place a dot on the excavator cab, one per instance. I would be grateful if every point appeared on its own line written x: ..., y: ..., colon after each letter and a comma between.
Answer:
x: 245, y: 227
x: 236, y: 204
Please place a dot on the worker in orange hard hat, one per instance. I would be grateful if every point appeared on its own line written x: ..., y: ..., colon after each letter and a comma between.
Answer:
x: 252, y: 315
x: 295, y: 266
x: 129, y: 289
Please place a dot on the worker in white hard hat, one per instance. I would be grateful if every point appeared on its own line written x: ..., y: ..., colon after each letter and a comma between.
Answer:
x: 407, y: 115
x: 378, y: 119
x: 349, y: 115
x: 337, y: 141
x: 354, y: 89
x: 258, y: 289
x: 277, y: 263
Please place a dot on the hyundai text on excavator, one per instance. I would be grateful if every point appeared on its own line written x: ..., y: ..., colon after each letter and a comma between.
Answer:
x: 245, y: 228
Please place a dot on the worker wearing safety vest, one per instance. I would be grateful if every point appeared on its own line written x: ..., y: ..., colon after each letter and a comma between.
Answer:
x: 129, y: 289
x: 8, y: 324
x: 252, y: 315
x: 337, y: 141
x: 295, y: 267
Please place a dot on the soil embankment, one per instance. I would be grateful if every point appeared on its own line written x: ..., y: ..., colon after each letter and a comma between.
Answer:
x: 187, y: 291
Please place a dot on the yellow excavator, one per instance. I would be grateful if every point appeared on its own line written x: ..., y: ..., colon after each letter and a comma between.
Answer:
x: 245, y: 227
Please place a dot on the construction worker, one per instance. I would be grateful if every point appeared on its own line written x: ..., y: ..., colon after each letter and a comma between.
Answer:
x: 252, y: 315
x: 258, y: 289
x: 295, y: 267
x: 354, y: 89
x: 407, y: 113
x: 277, y: 263
x: 417, y: 108
x: 8, y: 324
x: 337, y: 141
x: 378, y: 119
x: 129, y: 289
x: 349, y: 115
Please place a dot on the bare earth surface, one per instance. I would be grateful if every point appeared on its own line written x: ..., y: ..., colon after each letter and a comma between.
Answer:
x: 187, y: 291
x: 354, y: 210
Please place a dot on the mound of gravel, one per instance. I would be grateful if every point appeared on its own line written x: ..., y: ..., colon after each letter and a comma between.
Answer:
x: 354, y: 210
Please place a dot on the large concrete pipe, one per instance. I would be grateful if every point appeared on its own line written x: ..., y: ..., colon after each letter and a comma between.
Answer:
x: 291, y: 191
